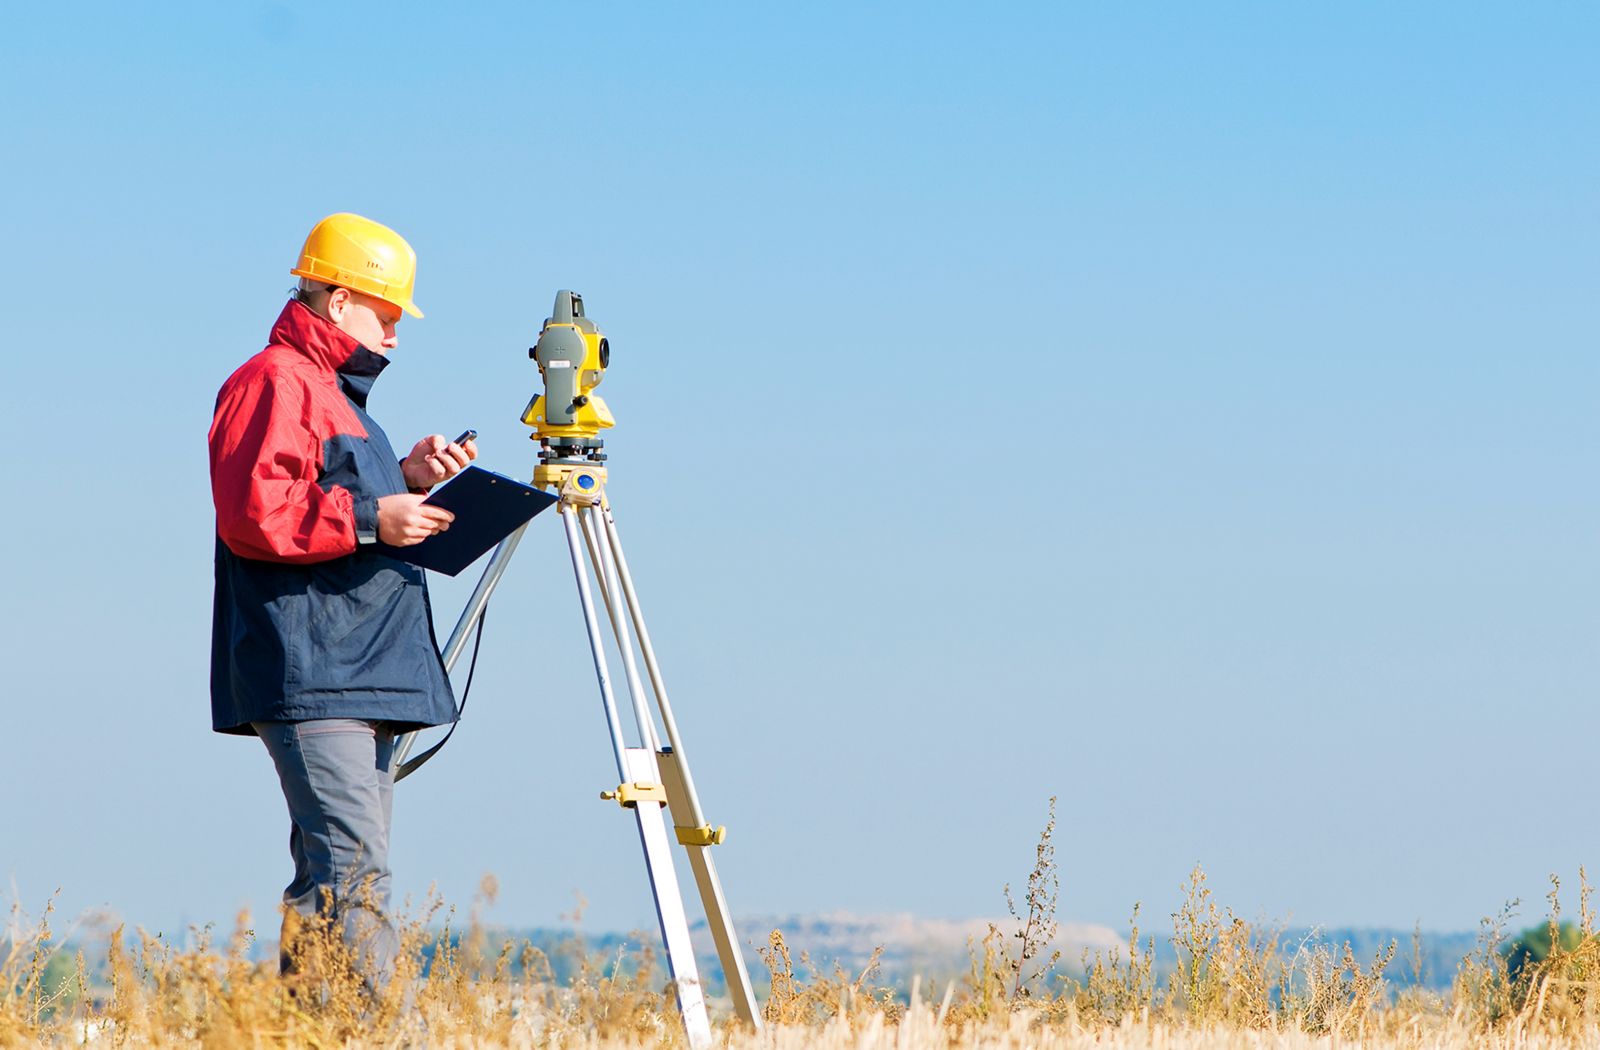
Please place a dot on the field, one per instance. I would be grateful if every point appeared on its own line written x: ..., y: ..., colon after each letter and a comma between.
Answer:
x: 1233, y: 984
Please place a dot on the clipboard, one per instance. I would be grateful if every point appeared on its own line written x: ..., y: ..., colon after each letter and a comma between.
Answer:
x: 488, y: 508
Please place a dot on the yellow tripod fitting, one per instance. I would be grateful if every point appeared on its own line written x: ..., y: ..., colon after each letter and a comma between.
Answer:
x: 704, y: 835
x: 582, y: 485
x: 632, y: 794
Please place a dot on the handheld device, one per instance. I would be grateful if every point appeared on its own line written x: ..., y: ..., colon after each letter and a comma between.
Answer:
x: 466, y: 436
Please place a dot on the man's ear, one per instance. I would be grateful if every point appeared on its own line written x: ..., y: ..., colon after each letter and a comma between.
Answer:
x: 338, y: 302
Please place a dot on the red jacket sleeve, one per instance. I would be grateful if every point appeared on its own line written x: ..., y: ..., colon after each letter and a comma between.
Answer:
x: 265, y: 458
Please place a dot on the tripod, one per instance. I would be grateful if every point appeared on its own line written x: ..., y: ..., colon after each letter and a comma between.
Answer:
x: 651, y: 776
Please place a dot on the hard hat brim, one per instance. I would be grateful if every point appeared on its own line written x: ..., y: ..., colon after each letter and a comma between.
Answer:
x: 408, y: 306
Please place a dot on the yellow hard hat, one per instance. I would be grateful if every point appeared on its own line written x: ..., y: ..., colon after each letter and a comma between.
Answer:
x: 362, y: 255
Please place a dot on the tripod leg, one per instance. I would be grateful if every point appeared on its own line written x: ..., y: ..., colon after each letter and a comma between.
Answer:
x: 718, y: 917
x: 469, y: 619
x: 619, y: 745
x: 640, y: 790
x: 637, y: 767
x: 693, y: 832
x: 695, y: 815
x: 641, y: 763
x: 606, y: 576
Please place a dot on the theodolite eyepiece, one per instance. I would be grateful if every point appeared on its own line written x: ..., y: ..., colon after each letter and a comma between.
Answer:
x: 573, y: 356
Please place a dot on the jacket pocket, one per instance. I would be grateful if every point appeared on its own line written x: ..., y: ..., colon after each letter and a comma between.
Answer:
x: 347, y: 593
x: 365, y: 624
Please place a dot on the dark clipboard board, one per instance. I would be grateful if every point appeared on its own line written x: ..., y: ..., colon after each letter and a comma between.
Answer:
x: 488, y: 508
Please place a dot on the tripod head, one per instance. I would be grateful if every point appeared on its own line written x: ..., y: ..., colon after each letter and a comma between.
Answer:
x: 573, y: 356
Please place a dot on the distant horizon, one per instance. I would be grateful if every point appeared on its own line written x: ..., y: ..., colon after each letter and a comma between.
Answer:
x: 1527, y: 920
x: 901, y: 955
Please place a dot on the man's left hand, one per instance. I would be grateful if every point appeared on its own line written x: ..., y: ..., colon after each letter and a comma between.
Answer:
x: 436, y: 458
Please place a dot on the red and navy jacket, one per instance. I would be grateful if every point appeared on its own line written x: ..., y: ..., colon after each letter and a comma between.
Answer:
x: 309, y: 619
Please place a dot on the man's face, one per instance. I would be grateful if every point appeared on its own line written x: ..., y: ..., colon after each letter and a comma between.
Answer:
x: 368, y: 320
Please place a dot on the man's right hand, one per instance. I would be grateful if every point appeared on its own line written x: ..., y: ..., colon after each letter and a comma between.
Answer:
x: 404, y: 520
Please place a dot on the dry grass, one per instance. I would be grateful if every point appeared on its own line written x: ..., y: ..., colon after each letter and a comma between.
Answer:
x: 1235, y: 984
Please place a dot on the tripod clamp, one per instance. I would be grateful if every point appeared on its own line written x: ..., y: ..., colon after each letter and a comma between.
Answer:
x: 627, y: 795
x: 704, y: 835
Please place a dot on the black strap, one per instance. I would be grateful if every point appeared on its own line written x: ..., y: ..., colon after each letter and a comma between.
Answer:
x: 410, y: 766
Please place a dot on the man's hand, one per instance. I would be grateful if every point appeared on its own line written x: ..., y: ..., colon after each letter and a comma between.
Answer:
x: 404, y: 520
x: 434, y: 458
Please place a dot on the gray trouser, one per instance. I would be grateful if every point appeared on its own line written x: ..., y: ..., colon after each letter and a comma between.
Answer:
x: 336, y: 778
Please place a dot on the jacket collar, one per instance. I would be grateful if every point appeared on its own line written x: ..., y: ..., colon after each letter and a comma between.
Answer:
x: 300, y: 328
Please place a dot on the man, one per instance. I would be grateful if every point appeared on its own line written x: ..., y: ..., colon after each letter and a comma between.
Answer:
x: 322, y: 645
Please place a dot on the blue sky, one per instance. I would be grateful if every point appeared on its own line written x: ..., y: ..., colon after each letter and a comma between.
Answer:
x: 1187, y: 412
